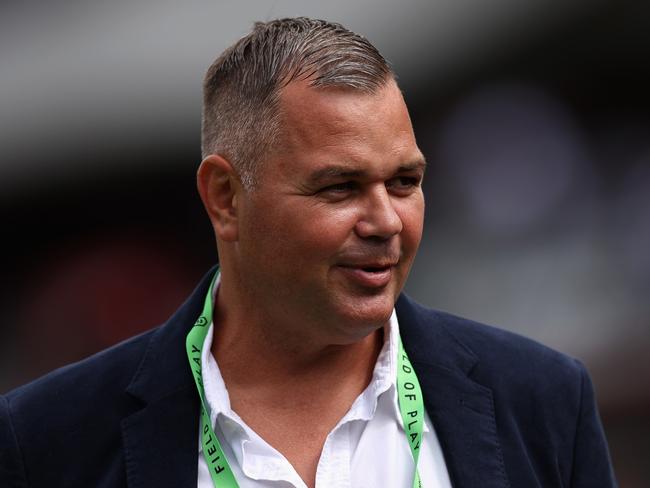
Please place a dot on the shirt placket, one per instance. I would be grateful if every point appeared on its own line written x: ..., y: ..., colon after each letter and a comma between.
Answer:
x: 334, y: 464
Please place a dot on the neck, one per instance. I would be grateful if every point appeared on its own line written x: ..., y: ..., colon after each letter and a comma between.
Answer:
x: 253, y: 351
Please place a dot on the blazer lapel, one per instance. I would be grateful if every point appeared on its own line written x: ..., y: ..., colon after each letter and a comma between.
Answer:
x: 462, y: 411
x: 161, y: 443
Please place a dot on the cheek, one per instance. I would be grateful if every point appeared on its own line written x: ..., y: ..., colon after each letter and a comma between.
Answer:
x: 412, y: 215
x: 300, y: 232
x: 321, y: 230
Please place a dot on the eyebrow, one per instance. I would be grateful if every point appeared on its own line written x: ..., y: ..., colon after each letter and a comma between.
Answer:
x: 342, y: 171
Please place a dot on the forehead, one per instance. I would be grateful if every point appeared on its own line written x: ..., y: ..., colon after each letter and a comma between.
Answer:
x: 303, y: 107
x: 340, y: 124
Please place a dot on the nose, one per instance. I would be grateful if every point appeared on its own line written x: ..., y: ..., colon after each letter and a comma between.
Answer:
x: 378, y: 218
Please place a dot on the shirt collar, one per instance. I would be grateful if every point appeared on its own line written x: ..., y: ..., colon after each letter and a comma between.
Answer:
x: 383, y: 376
x: 383, y: 385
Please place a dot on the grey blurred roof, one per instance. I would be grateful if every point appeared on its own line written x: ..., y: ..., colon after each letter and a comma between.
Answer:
x: 73, y: 72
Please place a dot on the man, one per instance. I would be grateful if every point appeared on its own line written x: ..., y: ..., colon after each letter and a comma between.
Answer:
x: 298, y: 362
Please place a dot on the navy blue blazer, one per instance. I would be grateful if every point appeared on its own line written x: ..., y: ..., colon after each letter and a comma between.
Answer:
x: 508, y: 411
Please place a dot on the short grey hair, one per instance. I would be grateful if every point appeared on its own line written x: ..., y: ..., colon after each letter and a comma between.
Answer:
x: 241, y: 119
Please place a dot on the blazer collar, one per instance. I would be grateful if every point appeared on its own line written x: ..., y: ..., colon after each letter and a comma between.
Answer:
x: 161, y: 439
x: 462, y: 410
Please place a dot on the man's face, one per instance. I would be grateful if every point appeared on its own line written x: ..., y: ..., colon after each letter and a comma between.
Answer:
x: 329, y: 234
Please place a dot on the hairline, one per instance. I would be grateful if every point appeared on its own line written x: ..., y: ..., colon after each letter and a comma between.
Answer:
x: 246, y: 127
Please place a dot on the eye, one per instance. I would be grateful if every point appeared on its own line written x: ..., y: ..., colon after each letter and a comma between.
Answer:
x: 337, y: 188
x: 403, y: 183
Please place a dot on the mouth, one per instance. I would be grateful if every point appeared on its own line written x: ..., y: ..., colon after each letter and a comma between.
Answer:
x: 369, y: 275
x: 374, y: 269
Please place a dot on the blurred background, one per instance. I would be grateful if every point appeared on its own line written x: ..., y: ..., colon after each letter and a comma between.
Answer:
x: 534, y: 117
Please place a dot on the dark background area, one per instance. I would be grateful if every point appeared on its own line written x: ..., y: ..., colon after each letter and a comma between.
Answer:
x: 535, y: 120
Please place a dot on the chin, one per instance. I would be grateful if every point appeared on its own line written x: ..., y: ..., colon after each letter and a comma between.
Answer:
x: 369, y: 314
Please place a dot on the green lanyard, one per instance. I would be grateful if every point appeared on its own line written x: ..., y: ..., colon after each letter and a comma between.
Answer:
x: 408, y: 390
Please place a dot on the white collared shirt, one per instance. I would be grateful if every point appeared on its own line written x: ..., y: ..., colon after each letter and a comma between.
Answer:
x: 367, y: 448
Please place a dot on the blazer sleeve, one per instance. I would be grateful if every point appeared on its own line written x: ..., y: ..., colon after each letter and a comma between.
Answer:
x: 12, y: 470
x: 592, y: 466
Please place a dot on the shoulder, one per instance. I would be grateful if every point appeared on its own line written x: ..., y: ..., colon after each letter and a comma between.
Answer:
x: 510, y: 364
x: 79, y: 411
x: 70, y: 401
x: 542, y: 400
x: 90, y: 380
x: 74, y: 411
x: 114, y: 381
x: 497, y: 348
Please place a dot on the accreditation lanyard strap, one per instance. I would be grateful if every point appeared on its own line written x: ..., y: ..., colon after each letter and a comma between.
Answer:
x: 408, y: 390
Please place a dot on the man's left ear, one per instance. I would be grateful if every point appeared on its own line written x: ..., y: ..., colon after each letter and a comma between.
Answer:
x: 219, y: 185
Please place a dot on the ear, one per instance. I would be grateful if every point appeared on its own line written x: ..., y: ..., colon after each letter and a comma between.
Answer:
x: 219, y: 186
